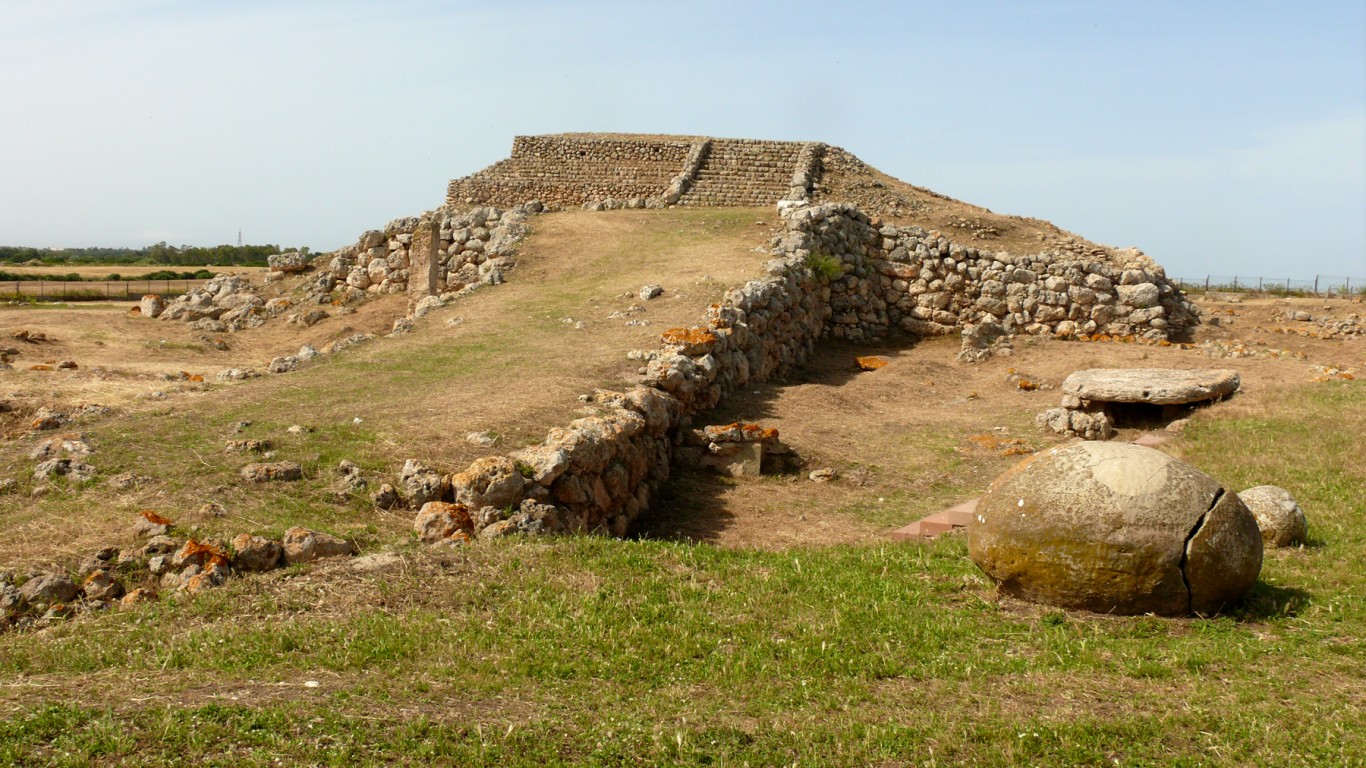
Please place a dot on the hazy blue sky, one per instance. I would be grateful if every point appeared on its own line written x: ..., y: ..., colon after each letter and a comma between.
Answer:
x: 1223, y: 137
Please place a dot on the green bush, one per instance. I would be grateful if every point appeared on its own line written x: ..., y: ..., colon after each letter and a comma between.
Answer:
x: 824, y: 266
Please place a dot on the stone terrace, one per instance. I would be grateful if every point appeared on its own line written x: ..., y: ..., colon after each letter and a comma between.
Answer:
x: 570, y: 170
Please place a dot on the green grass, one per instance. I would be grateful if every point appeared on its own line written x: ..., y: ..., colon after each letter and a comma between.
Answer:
x: 589, y: 651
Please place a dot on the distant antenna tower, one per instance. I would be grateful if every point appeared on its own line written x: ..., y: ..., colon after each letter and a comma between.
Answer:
x: 239, y: 238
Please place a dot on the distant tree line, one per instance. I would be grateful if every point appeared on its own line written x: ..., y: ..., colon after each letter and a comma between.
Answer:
x: 161, y: 253
x: 72, y: 277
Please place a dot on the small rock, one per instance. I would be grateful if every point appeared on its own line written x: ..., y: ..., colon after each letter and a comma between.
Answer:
x: 651, y: 291
x: 267, y: 472
x: 386, y: 497
x: 439, y: 520
x: 303, y: 546
x: 823, y: 475
x: 198, y: 553
x: 159, y: 545
x: 49, y: 588
x: 75, y: 471
x: 255, y: 553
x: 149, y: 523
x: 1279, y: 516
x: 102, y: 586
x: 138, y: 596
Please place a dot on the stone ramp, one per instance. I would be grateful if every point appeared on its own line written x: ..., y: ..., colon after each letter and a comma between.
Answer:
x: 744, y: 172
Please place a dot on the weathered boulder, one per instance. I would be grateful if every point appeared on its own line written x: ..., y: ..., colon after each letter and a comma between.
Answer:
x: 255, y: 553
x: 1278, y: 515
x: 1115, y: 528
x: 303, y: 546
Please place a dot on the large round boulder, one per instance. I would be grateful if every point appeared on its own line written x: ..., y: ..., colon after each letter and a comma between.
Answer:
x: 1277, y: 513
x: 1115, y: 528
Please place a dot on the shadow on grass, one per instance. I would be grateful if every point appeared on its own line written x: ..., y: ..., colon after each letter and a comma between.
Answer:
x: 1266, y: 601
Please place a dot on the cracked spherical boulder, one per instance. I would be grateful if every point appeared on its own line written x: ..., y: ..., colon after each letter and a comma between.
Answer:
x: 1115, y: 528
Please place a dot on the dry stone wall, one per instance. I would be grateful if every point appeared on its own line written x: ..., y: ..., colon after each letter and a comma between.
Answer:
x: 834, y: 273
x: 452, y: 250
x: 642, y: 172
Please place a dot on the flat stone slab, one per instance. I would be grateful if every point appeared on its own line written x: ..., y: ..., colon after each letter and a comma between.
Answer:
x: 1159, y: 386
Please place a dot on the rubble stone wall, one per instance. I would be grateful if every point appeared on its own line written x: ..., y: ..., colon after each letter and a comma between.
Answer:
x: 835, y: 273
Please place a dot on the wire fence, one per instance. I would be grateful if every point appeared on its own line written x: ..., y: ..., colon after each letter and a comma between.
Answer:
x: 93, y: 290
x: 1321, y: 285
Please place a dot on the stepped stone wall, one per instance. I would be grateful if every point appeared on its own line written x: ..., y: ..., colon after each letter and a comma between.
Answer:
x: 641, y: 172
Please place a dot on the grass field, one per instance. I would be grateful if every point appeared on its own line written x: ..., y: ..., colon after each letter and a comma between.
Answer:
x: 602, y: 652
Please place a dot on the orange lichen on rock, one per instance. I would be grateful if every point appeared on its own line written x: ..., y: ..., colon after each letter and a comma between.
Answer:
x: 756, y: 432
x: 687, y: 337
x: 871, y: 362
x: 40, y: 367
x: 194, y: 377
x: 136, y: 311
x: 154, y: 518
x: 1011, y: 446
x: 200, y: 552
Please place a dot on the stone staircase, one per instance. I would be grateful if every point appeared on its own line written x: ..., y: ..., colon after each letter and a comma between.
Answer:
x: 743, y: 172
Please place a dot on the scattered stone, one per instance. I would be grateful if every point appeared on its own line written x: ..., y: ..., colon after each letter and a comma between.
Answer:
x: 210, y: 510
x: 137, y: 597
x: 823, y: 475
x: 439, y: 521
x: 151, y: 305
x: 255, y: 553
x: 1115, y: 528
x: 125, y: 481
x: 651, y: 291
x: 304, y: 546
x: 200, y: 554
x: 247, y: 446
x: 871, y: 362
x: 74, y: 471
x: 149, y: 524
x: 48, y: 588
x: 8, y: 485
x: 298, y: 429
x: 101, y: 586
x: 269, y: 472
x: 159, y: 545
x: 481, y: 439
x: 387, y: 497
x: 1278, y: 515
x: 420, y: 484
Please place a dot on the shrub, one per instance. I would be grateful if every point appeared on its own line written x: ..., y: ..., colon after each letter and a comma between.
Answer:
x: 824, y: 266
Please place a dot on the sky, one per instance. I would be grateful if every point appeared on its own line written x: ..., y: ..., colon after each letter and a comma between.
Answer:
x: 1224, y: 138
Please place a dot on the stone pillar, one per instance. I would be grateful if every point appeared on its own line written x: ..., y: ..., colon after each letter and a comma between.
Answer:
x: 424, y: 260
